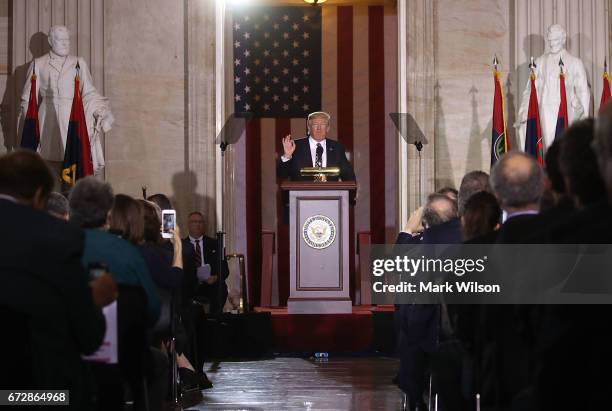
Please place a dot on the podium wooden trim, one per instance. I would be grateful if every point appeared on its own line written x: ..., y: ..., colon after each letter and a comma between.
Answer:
x: 319, y: 281
x: 315, y: 185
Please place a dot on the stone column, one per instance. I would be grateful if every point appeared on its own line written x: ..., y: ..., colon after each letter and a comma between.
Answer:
x: 417, y: 99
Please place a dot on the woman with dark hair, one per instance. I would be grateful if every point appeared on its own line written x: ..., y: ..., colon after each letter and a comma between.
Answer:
x: 153, y: 248
x: 125, y: 219
x: 481, y: 216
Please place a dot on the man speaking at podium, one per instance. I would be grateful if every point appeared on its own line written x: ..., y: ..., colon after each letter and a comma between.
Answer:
x: 314, y: 151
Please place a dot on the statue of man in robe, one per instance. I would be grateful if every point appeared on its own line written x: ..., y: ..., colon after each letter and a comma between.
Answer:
x: 55, y: 73
x: 548, y: 86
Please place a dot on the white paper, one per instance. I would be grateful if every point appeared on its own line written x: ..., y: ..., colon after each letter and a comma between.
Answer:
x: 204, y: 272
x: 108, y: 351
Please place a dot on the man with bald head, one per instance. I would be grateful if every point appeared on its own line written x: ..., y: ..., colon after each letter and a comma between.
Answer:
x: 517, y: 181
x: 418, y: 324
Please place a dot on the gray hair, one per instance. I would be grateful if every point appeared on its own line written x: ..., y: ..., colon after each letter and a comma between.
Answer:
x: 517, y: 180
x: 90, y: 201
x: 319, y: 114
x: 58, y: 204
x: 439, y: 209
x: 472, y: 183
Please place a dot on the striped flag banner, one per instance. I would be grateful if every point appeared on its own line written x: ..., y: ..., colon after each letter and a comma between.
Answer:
x: 499, y: 142
x: 354, y: 80
x: 77, y: 156
x: 605, y: 92
x: 562, y: 114
x: 30, y: 137
x: 533, y: 135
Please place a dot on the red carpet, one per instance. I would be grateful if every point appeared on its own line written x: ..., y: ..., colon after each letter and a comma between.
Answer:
x: 323, y: 332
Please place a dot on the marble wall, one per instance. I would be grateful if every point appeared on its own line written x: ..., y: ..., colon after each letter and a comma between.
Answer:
x: 146, y: 67
x: 467, y: 36
x: 163, y: 53
x: 155, y: 61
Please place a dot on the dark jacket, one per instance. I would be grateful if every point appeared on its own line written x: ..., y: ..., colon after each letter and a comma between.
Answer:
x: 336, y: 157
x: 41, y: 278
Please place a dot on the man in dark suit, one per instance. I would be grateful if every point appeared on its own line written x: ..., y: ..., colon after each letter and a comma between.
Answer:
x: 518, y: 182
x: 419, y: 324
x: 314, y: 151
x: 43, y: 281
x: 201, y: 250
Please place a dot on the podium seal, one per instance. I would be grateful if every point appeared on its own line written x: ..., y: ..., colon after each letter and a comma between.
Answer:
x: 319, y: 231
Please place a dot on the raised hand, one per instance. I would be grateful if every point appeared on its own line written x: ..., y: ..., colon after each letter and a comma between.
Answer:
x: 288, y: 146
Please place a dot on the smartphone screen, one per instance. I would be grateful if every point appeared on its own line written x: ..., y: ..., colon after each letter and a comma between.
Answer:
x: 168, y: 222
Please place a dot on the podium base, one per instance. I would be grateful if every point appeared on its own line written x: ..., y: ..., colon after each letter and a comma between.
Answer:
x: 308, y: 306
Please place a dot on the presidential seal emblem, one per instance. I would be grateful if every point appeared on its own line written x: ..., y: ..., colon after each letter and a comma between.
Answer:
x: 319, y: 231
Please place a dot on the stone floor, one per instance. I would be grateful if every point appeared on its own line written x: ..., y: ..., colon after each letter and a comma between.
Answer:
x: 343, y: 383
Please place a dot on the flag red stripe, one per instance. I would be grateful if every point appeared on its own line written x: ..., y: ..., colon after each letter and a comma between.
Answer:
x: 563, y: 106
x: 78, y: 115
x: 345, y: 76
x: 376, y: 61
x: 253, y: 207
x: 605, y: 93
x: 282, y: 128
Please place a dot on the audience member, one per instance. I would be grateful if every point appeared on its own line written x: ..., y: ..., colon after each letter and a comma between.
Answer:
x: 43, y: 281
x: 579, y: 329
x: 554, y: 186
x: 413, y: 230
x: 90, y: 203
x: 471, y: 183
x: 481, y: 216
x: 449, y: 192
x: 167, y: 272
x: 578, y: 165
x: 418, y: 324
x: 57, y: 206
x: 203, y: 251
x: 162, y: 201
x: 518, y: 182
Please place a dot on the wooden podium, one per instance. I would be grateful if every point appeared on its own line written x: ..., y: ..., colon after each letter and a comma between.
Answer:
x: 319, y: 246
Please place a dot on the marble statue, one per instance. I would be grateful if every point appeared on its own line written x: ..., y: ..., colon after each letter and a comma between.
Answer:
x: 55, y: 73
x: 547, y: 85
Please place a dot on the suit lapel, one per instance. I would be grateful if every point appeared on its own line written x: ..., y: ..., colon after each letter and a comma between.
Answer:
x: 331, y: 153
x: 307, y: 153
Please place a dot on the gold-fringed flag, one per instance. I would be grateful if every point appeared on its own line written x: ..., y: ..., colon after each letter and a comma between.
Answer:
x: 605, y: 92
x: 77, y: 157
x: 499, y: 137
x: 533, y: 132
x: 30, y: 137
x: 562, y: 114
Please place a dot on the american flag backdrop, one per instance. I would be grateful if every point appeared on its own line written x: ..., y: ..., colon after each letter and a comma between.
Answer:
x: 339, y: 59
x: 277, y: 61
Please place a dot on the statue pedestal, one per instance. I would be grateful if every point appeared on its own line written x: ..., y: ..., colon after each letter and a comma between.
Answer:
x: 319, y: 247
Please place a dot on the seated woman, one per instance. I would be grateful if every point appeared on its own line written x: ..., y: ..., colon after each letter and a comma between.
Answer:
x: 166, y: 267
x: 481, y: 218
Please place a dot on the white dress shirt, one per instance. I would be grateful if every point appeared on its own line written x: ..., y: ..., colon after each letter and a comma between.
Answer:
x: 313, y: 152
